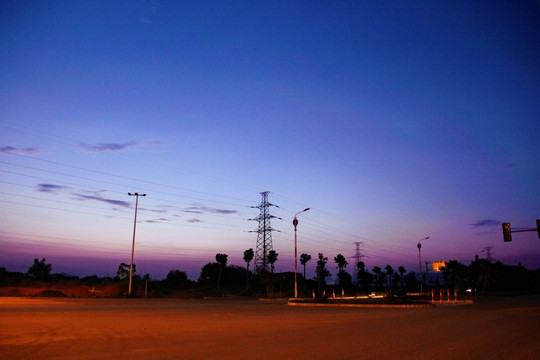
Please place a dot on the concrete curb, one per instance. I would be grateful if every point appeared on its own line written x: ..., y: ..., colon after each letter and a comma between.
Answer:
x: 453, y: 302
x: 380, y: 306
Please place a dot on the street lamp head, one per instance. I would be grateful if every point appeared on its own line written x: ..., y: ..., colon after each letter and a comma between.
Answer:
x: 306, y: 209
x: 136, y: 194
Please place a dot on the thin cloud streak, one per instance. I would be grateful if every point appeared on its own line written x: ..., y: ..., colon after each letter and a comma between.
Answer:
x: 121, y: 203
x: 204, y: 209
x: 486, y: 222
x: 107, y: 147
x: 50, y: 188
x: 160, y: 220
x: 19, y: 151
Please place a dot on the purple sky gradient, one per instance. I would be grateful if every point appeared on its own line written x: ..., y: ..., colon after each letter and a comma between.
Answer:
x: 392, y: 121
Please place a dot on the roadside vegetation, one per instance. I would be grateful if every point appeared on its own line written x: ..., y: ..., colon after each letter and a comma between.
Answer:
x: 218, y: 278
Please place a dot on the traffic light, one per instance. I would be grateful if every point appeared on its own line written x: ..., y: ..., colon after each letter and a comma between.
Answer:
x: 507, y: 232
x: 538, y: 227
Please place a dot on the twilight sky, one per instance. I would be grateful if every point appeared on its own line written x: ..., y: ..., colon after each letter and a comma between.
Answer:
x: 391, y: 120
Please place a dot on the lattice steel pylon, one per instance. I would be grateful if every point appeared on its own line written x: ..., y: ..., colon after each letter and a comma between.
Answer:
x: 358, y: 255
x: 357, y: 258
x: 488, y: 249
x: 264, y: 234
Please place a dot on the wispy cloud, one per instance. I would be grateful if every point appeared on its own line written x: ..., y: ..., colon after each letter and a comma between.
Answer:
x: 486, y: 222
x: 193, y: 221
x: 160, y: 220
x: 50, y: 188
x: 107, y: 146
x: 159, y: 211
x: 188, y: 210
x: 154, y: 146
x: 98, y: 197
x: 203, y: 209
x: 19, y: 151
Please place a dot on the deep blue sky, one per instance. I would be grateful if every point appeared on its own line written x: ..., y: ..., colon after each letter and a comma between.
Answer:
x: 393, y: 121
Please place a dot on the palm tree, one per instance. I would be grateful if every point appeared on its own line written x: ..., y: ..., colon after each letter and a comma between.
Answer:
x: 221, y: 259
x: 248, y: 256
x: 396, y: 280
x: 304, y: 258
x: 272, y: 258
x: 361, y: 272
x: 341, y: 262
x: 322, y: 272
x: 377, y: 271
x: 389, y: 272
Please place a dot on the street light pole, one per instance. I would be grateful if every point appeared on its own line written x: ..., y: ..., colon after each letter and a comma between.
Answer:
x: 133, y: 244
x: 295, y: 222
x: 420, y: 261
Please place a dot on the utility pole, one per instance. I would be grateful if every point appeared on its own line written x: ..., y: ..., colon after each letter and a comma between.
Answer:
x: 133, y: 244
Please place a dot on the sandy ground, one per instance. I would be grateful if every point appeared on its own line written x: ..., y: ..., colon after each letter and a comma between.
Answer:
x: 501, y: 328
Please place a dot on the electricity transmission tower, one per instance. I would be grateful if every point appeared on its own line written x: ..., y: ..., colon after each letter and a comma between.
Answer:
x: 488, y: 249
x: 264, y: 234
x: 358, y: 255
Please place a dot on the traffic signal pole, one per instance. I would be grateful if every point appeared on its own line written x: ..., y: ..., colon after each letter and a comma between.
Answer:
x: 507, y: 230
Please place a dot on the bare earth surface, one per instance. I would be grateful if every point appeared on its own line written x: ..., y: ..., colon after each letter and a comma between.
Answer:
x: 497, y: 328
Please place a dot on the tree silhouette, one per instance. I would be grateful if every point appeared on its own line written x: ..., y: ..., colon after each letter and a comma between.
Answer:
x: 248, y: 256
x: 402, y: 272
x: 40, y: 270
x: 410, y: 281
x: 221, y: 259
x: 377, y: 271
x: 176, y: 279
x: 389, y: 273
x: 123, y: 271
x: 364, y: 277
x: 209, y: 274
x: 396, y: 280
x: 322, y: 272
x: 480, y: 272
x: 344, y: 278
x: 272, y: 258
x: 304, y: 258
x: 455, y: 274
x: 341, y: 262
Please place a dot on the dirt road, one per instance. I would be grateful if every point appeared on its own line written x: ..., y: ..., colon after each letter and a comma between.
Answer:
x: 499, y: 328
